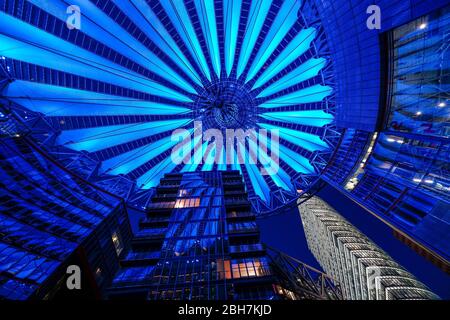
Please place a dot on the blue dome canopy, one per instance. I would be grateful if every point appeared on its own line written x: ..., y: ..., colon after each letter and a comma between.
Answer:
x: 115, y: 90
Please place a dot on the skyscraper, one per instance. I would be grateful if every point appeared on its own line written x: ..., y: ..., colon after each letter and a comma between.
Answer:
x: 364, y: 270
x: 199, y: 240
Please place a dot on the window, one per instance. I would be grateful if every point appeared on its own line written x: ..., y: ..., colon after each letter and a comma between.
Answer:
x: 224, y: 269
x: 420, y: 68
x: 244, y: 268
x: 187, y: 203
x: 117, y: 242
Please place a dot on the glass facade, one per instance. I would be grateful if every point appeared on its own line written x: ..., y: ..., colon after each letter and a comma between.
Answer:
x: 47, y: 215
x: 196, y: 229
x: 347, y: 157
x: 407, y: 177
x: 199, y: 241
x: 420, y: 164
x: 402, y: 173
x: 420, y: 67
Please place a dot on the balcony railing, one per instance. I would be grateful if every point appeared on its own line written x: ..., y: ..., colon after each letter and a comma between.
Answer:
x: 305, y: 281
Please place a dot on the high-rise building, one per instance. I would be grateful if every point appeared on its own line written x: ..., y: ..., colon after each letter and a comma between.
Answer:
x: 199, y: 240
x: 363, y: 269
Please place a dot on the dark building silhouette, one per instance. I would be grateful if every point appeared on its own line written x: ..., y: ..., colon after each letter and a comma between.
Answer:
x: 51, y: 219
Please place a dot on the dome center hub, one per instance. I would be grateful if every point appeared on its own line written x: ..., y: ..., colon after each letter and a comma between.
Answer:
x: 226, y: 105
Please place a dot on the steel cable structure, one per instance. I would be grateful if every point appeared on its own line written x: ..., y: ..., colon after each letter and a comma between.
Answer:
x: 105, y: 99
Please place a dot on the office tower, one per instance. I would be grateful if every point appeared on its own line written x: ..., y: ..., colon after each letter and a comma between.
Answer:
x: 51, y: 219
x: 362, y: 268
x: 199, y: 240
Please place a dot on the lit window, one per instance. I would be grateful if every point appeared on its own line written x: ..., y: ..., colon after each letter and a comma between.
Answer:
x: 224, y: 269
x: 187, y: 203
x: 117, y: 243
x: 98, y: 272
x: 227, y: 269
x: 236, y: 273
x: 249, y: 268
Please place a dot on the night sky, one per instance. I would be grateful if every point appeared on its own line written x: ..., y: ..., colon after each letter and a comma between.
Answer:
x: 285, y: 232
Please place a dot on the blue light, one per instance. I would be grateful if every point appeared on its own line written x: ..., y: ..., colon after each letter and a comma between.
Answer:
x: 305, y: 71
x: 280, y: 27
x: 151, y: 178
x: 281, y: 178
x: 99, y: 138
x: 315, y: 93
x: 231, y: 14
x: 295, y: 49
x: 30, y: 44
x: 60, y: 101
x: 210, y: 154
x: 222, y: 166
x: 180, y: 18
x: 151, y: 26
x: 230, y: 63
x: 205, y: 9
x: 315, y: 118
x: 257, y: 16
x: 259, y: 184
x: 295, y: 161
x: 211, y: 157
x: 162, y: 38
x: 129, y: 161
x: 197, y: 157
x: 302, y: 139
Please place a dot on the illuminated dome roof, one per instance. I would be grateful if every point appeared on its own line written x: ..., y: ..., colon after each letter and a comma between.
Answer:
x: 115, y: 90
